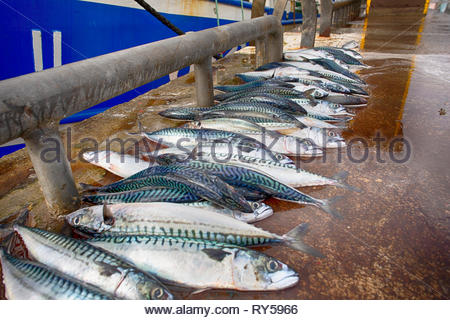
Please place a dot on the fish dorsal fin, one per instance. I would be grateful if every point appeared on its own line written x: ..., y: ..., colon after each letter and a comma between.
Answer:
x: 216, y: 254
x: 108, y: 216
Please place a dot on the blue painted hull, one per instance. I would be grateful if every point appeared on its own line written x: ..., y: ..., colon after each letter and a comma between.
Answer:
x: 87, y: 30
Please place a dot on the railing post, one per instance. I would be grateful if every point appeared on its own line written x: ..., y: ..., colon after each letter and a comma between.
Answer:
x: 52, y: 168
x: 326, y: 13
x: 348, y: 15
x: 309, y: 12
x: 204, y: 83
x: 340, y: 22
x: 275, y: 45
x: 261, y: 51
x: 257, y: 11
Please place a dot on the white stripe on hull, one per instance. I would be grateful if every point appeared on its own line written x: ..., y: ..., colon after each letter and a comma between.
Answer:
x: 37, y: 50
x: 57, y: 58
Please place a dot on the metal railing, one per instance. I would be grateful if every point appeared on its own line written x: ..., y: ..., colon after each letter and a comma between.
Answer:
x: 32, y: 105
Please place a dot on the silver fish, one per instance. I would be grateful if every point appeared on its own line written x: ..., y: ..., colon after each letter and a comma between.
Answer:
x: 177, y: 220
x: 285, y: 173
x: 274, y: 141
x: 204, y: 264
x: 261, y: 210
x: 91, y: 265
x: 27, y: 280
x: 122, y: 165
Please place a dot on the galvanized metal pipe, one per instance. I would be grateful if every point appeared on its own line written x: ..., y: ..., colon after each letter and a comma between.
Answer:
x: 309, y: 24
x: 275, y: 45
x: 52, y: 168
x: 326, y: 13
x: 261, y: 51
x: 33, y: 99
x: 204, y: 83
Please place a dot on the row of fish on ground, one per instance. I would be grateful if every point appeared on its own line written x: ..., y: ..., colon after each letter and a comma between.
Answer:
x: 184, y: 218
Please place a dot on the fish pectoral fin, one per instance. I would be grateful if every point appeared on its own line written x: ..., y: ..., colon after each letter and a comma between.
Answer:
x: 106, y: 269
x: 108, y: 215
x: 216, y: 254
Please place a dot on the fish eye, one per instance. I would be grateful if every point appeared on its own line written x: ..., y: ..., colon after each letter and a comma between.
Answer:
x: 157, y: 293
x: 331, y: 134
x: 272, y: 265
x: 279, y: 157
x: 255, y: 205
x: 76, y: 220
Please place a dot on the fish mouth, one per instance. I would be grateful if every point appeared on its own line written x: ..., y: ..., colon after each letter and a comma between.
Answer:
x: 335, y: 143
x: 283, y: 279
x: 313, y: 152
x: 286, y: 161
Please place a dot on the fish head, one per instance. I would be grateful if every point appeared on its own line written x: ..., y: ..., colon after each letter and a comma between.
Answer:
x: 253, y: 270
x: 147, y: 286
x: 91, y: 219
x: 303, y: 147
x: 193, y: 125
x: 326, y: 138
x: 261, y: 211
x: 281, y: 158
x: 319, y: 93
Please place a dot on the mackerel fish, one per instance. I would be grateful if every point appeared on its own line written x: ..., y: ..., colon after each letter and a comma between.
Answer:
x: 91, y: 265
x: 275, y: 141
x: 185, y: 179
x: 253, y: 180
x: 27, y: 280
x: 122, y: 165
x: 205, y: 264
x: 177, y: 220
x: 260, y: 210
x: 222, y: 147
x: 286, y: 173
x: 254, y: 84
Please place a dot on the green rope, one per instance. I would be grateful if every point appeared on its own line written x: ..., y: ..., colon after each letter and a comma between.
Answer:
x: 242, y: 9
x: 217, y: 14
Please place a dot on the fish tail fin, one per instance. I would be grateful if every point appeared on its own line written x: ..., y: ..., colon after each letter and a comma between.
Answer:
x: 223, y: 88
x: 87, y: 187
x: 7, y: 230
x: 341, y: 178
x: 294, y: 239
x: 327, y: 206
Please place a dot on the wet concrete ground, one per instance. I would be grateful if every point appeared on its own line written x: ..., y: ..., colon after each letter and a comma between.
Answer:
x: 393, y: 242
